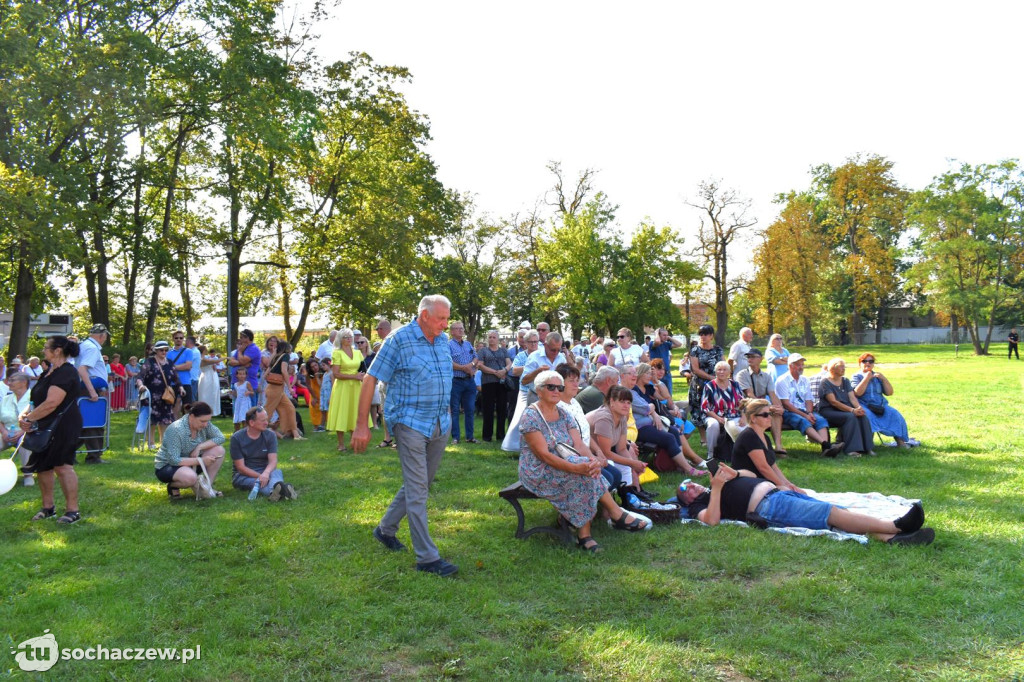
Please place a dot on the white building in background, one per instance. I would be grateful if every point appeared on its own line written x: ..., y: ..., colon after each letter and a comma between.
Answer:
x: 47, y: 324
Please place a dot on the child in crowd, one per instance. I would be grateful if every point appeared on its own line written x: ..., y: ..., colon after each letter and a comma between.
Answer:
x: 325, y: 389
x: 243, y: 395
x: 142, y: 425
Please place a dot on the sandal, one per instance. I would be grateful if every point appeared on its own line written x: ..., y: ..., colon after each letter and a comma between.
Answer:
x: 69, y: 518
x: 633, y: 526
x: 44, y: 513
x: 589, y: 544
x: 385, y: 444
x: 173, y: 493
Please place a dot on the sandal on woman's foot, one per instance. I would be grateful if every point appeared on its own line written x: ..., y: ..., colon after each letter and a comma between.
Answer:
x: 589, y: 544
x: 384, y: 444
x: 173, y: 493
x: 69, y: 518
x: 632, y: 526
x: 44, y: 513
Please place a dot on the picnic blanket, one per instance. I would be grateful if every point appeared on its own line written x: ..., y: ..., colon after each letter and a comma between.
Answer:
x: 885, y: 507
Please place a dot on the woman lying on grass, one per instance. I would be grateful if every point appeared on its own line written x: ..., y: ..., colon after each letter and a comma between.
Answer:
x: 741, y: 496
x: 574, y: 485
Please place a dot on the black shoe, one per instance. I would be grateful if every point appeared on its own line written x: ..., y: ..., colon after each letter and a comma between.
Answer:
x: 288, y: 492
x: 389, y: 541
x: 833, y: 451
x: 439, y: 567
x: 922, y: 536
x: 644, y: 495
x: 912, y: 520
x: 472, y: 440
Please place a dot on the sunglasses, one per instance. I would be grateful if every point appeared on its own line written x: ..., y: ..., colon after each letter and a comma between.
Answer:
x: 869, y: 362
x: 763, y: 414
x: 554, y: 387
x: 622, y: 336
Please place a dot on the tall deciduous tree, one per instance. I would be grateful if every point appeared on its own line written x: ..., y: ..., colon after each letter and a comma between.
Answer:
x: 971, y: 223
x: 723, y: 218
x: 865, y: 216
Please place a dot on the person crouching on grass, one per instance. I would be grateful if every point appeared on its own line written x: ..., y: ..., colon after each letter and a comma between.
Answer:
x: 254, y: 457
x: 741, y: 496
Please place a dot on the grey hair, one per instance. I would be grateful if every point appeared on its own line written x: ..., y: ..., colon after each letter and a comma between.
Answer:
x: 643, y: 368
x: 493, y: 331
x: 429, y: 303
x: 721, y: 363
x: 746, y: 329
x: 532, y: 334
x: 552, y: 336
x: 546, y: 376
x: 17, y: 376
x: 521, y: 334
x: 606, y: 373
x: 343, y: 333
x: 833, y: 362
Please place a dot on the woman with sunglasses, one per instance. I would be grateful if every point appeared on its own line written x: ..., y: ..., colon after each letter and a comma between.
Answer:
x: 158, y: 373
x: 871, y: 388
x: 573, y: 485
x: 753, y: 450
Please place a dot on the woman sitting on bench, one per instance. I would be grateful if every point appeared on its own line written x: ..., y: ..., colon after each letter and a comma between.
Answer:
x: 573, y: 484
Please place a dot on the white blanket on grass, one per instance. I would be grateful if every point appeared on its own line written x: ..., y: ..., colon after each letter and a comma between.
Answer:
x: 885, y: 507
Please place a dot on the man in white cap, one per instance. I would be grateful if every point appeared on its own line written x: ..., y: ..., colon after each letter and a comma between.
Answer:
x: 93, y: 373
x: 794, y: 392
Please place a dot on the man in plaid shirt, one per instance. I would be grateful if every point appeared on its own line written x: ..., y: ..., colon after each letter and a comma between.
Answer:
x: 416, y: 363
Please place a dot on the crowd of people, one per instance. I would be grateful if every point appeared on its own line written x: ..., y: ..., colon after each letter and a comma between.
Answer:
x: 586, y: 418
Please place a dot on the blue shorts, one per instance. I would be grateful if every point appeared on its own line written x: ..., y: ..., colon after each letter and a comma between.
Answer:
x: 794, y: 421
x: 783, y: 508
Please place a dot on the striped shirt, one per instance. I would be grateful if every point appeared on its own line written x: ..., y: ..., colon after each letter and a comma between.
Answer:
x: 178, y: 442
x: 419, y: 378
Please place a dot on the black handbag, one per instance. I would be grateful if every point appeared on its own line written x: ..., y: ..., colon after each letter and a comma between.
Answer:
x: 39, y: 440
x: 877, y: 409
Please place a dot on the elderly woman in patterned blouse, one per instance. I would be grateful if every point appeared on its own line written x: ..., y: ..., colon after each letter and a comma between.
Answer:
x: 721, y: 405
x: 574, y: 485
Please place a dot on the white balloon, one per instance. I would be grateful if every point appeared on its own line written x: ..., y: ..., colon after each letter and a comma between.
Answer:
x: 8, y: 475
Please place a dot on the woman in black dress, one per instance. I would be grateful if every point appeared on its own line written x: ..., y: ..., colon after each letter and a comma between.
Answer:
x: 55, y: 397
x: 158, y: 373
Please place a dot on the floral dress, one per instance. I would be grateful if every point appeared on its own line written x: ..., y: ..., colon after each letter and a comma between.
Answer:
x: 153, y: 379
x: 575, y: 496
x: 706, y: 359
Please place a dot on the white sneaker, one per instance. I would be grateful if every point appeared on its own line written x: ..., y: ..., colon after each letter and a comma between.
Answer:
x: 913, y: 442
x: 28, y: 481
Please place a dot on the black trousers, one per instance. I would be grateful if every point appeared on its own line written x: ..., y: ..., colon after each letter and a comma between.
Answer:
x: 494, y: 399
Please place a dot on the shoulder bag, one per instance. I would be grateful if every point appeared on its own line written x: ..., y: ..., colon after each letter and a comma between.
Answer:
x: 203, y: 488
x: 276, y: 378
x: 563, y: 450
x: 39, y: 440
x: 168, y: 394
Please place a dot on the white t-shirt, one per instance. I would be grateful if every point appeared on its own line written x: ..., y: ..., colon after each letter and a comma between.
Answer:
x: 738, y: 354
x: 624, y: 357
x: 90, y: 355
x: 535, y: 361
x: 576, y: 410
x: 33, y: 374
x: 797, y: 391
x: 324, y: 351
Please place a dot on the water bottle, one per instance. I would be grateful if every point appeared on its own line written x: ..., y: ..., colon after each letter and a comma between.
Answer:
x: 255, y: 490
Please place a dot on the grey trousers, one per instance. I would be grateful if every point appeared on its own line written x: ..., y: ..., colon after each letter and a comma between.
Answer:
x: 420, y: 457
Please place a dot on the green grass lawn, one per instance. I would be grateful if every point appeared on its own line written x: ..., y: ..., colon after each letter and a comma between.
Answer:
x: 300, y: 590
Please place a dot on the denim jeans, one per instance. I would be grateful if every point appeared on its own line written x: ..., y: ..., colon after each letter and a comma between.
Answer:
x: 464, y: 395
x: 247, y: 482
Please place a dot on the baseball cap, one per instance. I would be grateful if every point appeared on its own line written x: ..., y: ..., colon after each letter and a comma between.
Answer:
x: 99, y: 329
x: 796, y: 357
x: 753, y: 352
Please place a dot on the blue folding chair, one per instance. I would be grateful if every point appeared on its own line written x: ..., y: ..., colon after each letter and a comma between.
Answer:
x: 95, y: 415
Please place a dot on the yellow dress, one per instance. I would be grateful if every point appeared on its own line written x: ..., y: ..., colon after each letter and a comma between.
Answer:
x: 345, y: 393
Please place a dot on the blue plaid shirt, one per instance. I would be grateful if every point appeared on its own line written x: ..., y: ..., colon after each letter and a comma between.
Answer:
x: 462, y: 354
x: 419, y: 378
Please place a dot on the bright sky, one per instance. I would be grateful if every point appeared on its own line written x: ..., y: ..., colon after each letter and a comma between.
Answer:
x: 660, y: 95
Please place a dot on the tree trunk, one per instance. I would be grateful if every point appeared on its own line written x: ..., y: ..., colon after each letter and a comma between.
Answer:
x: 138, y: 227
x: 808, y: 334
x: 22, y: 311
x: 165, y: 233
x: 954, y: 328
x: 879, y: 323
x: 307, y: 300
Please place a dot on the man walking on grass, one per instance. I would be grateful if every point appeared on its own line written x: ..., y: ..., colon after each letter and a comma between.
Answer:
x: 416, y: 363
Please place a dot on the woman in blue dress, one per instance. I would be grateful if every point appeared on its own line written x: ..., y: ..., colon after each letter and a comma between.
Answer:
x: 871, y: 388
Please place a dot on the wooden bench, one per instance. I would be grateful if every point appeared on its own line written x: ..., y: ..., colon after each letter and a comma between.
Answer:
x: 516, y: 492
